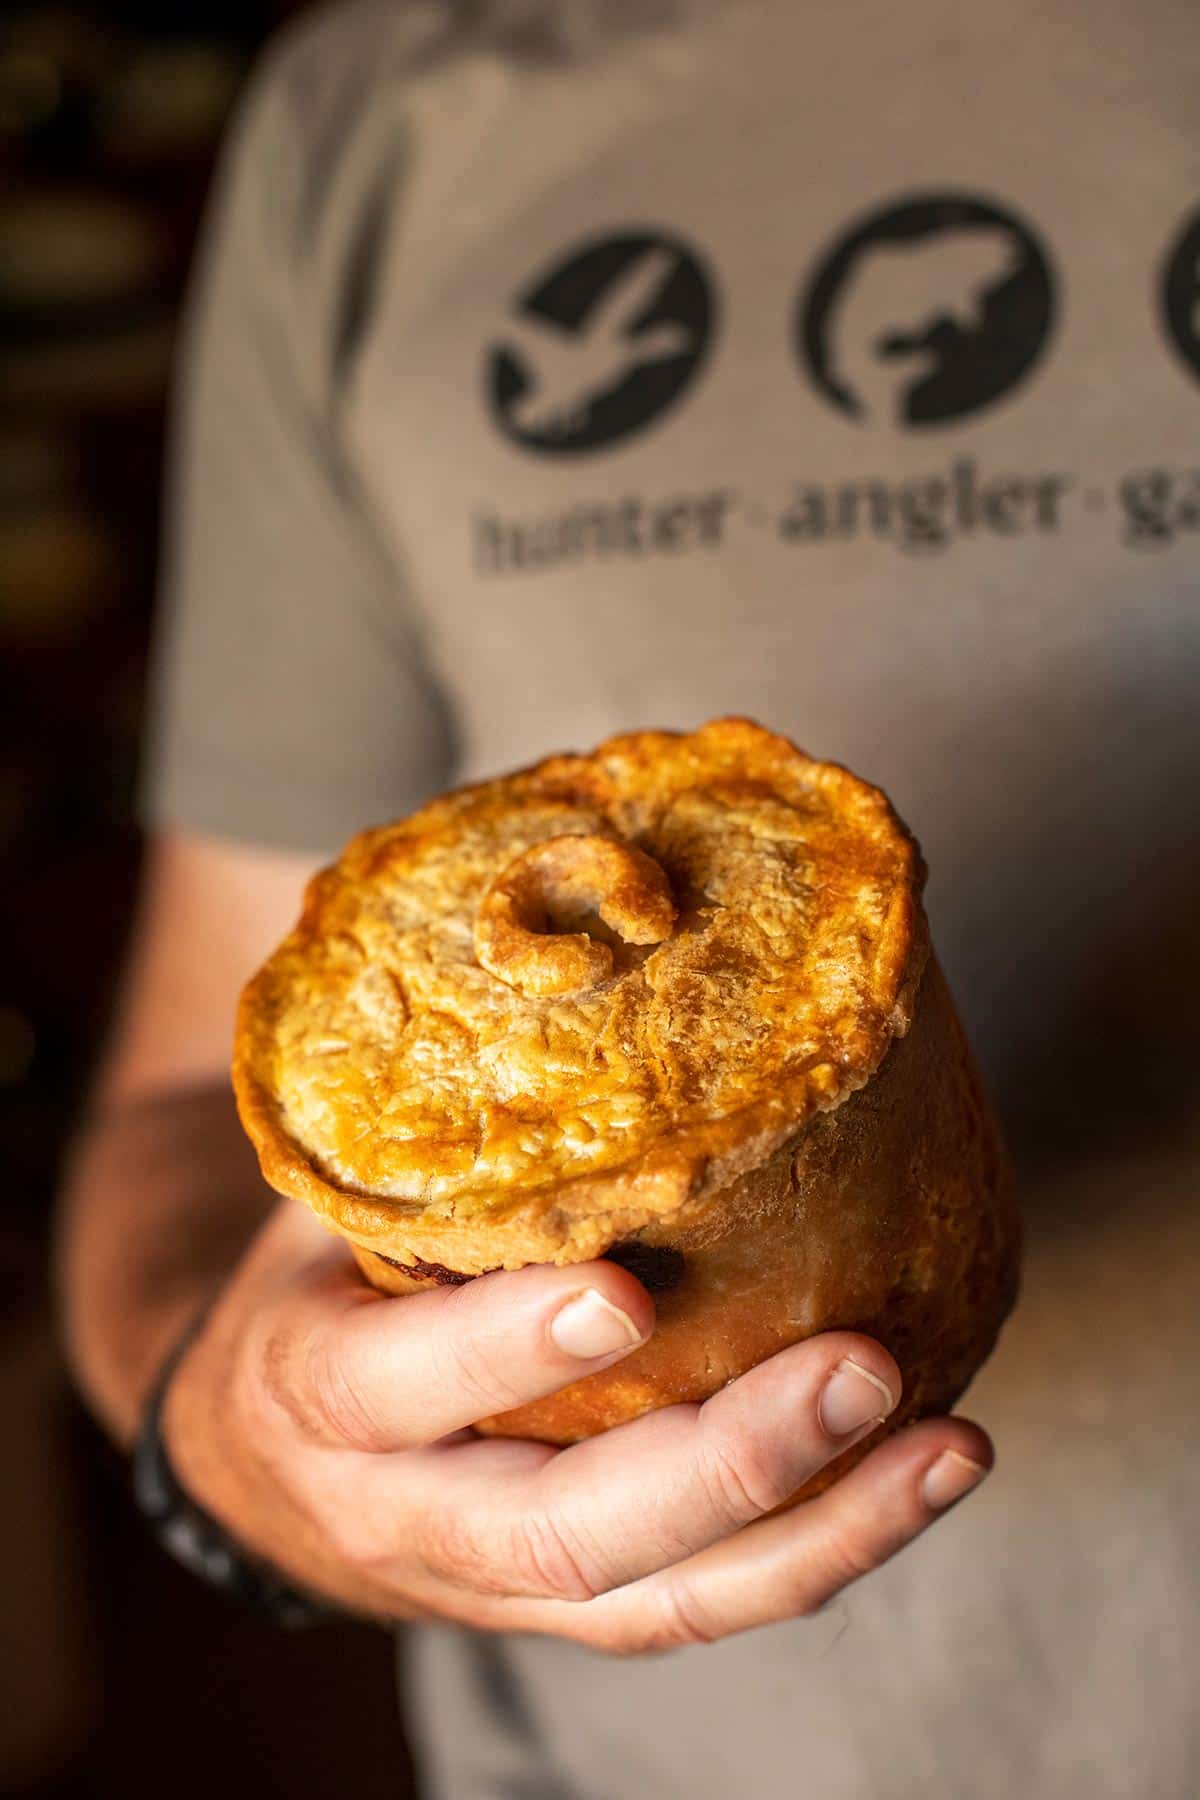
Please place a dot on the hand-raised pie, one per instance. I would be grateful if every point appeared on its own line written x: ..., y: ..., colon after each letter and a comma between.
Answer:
x: 671, y: 1002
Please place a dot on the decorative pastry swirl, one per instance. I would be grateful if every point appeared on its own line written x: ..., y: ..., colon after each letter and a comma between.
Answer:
x: 520, y: 928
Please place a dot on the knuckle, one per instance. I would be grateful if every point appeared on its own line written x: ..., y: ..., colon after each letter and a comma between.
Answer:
x: 260, y: 1390
x: 685, y: 1620
x: 451, y: 1549
x: 548, y: 1564
x: 746, y: 1479
x: 841, y: 1560
x: 340, y: 1403
x: 679, y: 1621
x: 271, y: 1385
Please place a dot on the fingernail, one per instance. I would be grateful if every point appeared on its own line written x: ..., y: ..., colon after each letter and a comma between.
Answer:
x: 589, y: 1325
x: 949, y: 1478
x: 853, y: 1397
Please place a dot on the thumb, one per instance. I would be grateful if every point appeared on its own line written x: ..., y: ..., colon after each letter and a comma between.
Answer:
x: 369, y: 1371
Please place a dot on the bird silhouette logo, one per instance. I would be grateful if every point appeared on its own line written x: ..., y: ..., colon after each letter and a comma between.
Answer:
x: 602, y: 345
x: 1181, y: 293
x: 926, y: 311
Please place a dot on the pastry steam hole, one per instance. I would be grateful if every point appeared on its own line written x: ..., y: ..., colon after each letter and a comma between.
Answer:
x: 556, y: 919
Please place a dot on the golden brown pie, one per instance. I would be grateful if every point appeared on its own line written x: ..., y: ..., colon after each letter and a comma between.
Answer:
x: 673, y: 1003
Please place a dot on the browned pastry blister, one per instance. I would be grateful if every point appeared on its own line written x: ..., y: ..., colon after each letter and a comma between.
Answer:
x: 671, y: 1001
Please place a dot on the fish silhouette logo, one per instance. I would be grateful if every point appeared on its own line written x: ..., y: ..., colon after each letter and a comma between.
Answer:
x: 926, y: 311
x: 602, y: 345
x: 1181, y: 293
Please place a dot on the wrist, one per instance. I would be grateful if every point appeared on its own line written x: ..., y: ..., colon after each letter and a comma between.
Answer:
x: 186, y: 1525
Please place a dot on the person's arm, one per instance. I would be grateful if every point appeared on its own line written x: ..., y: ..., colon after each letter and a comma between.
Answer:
x: 164, y: 1192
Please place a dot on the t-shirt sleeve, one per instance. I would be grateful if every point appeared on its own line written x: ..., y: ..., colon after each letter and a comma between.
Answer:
x: 291, y: 702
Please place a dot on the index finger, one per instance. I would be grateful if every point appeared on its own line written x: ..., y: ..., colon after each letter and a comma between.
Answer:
x: 371, y: 1372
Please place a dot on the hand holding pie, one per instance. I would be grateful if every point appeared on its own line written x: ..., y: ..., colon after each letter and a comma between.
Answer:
x: 670, y: 1003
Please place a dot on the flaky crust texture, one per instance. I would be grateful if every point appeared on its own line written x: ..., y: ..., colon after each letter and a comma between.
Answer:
x: 429, y: 1106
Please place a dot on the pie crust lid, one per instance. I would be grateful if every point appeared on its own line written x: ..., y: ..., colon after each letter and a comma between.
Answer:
x: 550, y: 1009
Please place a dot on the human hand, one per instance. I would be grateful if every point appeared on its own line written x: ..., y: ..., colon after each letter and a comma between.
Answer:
x: 328, y: 1427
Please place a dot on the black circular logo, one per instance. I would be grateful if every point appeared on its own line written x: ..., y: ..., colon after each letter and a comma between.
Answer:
x: 601, y: 345
x: 1181, y: 294
x: 926, y: 311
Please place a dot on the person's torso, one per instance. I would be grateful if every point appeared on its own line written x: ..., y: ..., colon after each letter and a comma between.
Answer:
x: 835, y: 365
x: 841, y: 366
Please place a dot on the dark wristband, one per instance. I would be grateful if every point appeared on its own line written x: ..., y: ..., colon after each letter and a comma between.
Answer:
x: 192, y: 1536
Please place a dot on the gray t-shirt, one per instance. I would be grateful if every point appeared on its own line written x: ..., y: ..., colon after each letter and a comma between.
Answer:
x: 837, y: 365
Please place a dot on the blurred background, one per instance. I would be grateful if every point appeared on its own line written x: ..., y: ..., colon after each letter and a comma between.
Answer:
x: 109, y: 122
